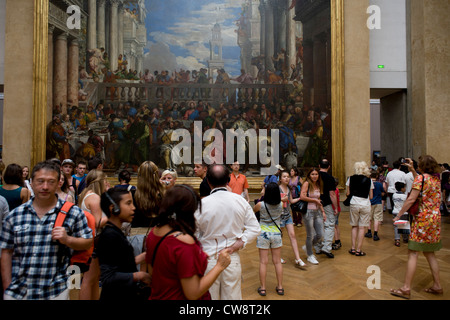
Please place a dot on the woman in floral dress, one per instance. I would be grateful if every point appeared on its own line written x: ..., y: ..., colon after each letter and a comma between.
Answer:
x: 426, y: 226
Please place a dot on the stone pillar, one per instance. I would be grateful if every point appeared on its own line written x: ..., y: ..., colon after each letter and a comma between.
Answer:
x: 357, y: 85
x: 114, y: 35
x: 290, y: 35
x: 50, y: 74
x: 429, y: 78
x: 121, y: 26
x: 60, y: 72
x: 308, y: 72
x: 262, y: 13
x: 101, y: 20
x: 72, y: 72
x: 320, y: 70
x: 18, y: 77
x: 269, y: 49
x: 92, y: 25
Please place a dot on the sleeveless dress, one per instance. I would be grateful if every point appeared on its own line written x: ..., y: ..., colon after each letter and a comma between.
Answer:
x: 12, y: 197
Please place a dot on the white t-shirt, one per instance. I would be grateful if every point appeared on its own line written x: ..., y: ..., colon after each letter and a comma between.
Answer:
x: 399, y: 199
x: 394, y: 176
x: 409, y: 178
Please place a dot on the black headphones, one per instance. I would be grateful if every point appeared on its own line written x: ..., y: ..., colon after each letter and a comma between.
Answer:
x: 116, y: 210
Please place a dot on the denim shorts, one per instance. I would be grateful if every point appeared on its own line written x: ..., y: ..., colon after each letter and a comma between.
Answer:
x: 286, y: 219
x: 269, y: 240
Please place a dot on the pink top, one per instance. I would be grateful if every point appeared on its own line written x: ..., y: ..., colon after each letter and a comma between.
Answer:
x: 315, y: 195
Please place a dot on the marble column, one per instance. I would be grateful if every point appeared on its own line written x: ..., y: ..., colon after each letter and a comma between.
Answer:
x: 114, y: 35
x: 92, y: 25
x: 50, y: 74
x: 121, y: 26
x: 320, y: 70
x: 308, y: 72
x: 262, y: 13
x: 269, y: 49
x: 290, y: 35
x: 60, y: 72
x: 101, y: 20
x: 72, y: 72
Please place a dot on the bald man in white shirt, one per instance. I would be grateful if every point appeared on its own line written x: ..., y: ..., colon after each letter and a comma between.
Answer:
x: 226, y: 220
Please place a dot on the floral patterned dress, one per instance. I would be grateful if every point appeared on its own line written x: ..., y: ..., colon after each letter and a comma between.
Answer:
x: 426, y: 226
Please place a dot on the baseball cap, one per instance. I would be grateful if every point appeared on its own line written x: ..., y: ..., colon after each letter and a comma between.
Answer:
x: 279, y: 167
x: 68, y: 161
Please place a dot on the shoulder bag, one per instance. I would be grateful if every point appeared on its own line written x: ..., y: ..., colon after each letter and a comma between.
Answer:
x: 414, y: 209
x: 300, y: 206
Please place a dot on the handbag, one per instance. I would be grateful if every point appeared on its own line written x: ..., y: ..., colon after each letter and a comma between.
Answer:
x: 300, y: 206
x: 414, y: 209
x: 347, y: 201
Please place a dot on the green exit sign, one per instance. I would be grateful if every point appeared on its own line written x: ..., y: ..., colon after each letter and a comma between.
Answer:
x: 381, y: 66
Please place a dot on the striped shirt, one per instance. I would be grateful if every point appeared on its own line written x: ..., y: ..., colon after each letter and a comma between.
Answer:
x: 39, y: 264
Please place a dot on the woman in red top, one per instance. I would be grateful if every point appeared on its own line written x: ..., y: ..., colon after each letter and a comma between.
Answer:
x: 174, y: 255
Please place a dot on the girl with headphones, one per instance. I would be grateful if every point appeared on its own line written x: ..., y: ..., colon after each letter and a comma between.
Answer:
x: 120, y: 277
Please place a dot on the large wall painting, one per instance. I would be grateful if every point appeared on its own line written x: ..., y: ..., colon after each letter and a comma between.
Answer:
x: 138, y: 70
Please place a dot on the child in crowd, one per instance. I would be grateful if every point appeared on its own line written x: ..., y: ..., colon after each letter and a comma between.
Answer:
x: 399, y: 199
x: 376, y: 207
x: 119, y: 275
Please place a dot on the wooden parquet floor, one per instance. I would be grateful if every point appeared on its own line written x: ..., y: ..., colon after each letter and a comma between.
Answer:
x: 345, y: 277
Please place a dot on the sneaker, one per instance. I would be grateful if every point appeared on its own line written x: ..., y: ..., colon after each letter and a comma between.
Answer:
x: 312, y: 259
x: 299, y: 263
x: 368, y: 235
x: 283, y: 261
x: 376, y: 238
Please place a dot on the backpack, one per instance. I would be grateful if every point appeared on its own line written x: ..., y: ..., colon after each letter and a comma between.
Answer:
x: 82, y: 258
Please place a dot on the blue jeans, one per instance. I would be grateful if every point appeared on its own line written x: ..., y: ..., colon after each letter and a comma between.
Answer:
x: 313, y: 221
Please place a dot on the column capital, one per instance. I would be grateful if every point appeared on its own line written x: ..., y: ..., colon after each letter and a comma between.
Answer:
x: 62, y: 36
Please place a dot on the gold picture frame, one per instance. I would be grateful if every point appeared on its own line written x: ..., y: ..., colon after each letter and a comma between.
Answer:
x: 40, y: 77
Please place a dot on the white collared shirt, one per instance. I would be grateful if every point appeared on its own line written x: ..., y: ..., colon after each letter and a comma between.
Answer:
x: 225, y: 217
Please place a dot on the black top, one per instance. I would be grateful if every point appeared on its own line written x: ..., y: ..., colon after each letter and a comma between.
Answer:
x: 360, y: 186
x: 117, y: 265
x: 329, y: 184
x: 205, y: 189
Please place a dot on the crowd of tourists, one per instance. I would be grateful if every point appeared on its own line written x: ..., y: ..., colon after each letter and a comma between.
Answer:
x: 191, y: 246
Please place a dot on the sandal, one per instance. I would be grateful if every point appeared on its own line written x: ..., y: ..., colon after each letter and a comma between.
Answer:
x: 397, y: 243
x: 262, y: 292
x: 280, y: 291
x: 360, y: 254
x: 405, y: 294
x: 352, y: 251
x: 434, y: 291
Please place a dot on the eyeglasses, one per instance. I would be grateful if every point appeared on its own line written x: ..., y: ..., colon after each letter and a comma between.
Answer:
x: 217, y: 245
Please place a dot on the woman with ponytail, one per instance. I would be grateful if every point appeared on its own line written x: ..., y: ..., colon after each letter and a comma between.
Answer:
x: 174, y: 256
